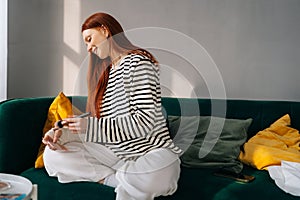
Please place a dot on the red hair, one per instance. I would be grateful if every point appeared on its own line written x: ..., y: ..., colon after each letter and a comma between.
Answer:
x: 98, y: 72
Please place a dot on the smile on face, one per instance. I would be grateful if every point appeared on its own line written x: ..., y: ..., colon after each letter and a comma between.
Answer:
x: 96, y: 41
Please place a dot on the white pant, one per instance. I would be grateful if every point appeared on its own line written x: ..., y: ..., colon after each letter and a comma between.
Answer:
x: 154, y: 174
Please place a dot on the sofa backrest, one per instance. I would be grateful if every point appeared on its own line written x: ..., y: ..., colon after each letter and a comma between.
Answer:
x: 21, y: 126
x: 263, y: 112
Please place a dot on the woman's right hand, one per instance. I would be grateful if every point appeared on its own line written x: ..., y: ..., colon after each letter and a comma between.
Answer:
x: 51, y: 141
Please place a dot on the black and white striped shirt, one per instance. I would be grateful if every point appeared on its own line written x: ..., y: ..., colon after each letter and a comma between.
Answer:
x: 131, y: 121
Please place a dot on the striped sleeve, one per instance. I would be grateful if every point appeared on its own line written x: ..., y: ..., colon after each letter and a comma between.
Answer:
x: 141, y: 80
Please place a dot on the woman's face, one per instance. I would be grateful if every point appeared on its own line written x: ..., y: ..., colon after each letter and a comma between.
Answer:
x: 96, y: 41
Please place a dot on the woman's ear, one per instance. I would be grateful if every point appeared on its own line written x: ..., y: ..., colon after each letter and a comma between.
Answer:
x: 104, y: 31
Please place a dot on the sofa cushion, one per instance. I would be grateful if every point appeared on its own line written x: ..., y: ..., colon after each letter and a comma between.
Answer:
x: 272, y: 145
x: 60, y: 108
x: 209, y: 141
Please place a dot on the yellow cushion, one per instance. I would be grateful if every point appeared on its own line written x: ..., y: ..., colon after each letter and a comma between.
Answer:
x: 60, y: 108
x: 272, y: 145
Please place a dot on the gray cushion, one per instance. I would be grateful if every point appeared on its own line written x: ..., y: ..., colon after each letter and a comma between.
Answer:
x: 209, y: 141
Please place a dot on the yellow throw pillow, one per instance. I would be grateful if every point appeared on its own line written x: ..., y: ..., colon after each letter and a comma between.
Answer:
x: 60, y: 108
x: 272, y: 145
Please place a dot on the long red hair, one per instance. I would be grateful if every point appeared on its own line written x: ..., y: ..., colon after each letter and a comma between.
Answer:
x: 98, y: 71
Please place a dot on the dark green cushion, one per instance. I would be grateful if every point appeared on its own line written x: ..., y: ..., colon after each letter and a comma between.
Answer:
x: 209, y: 141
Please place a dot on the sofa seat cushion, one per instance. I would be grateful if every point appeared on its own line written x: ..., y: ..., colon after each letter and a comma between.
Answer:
x: 193, y: 184
x: 50, y: 188
x: 197, y: 184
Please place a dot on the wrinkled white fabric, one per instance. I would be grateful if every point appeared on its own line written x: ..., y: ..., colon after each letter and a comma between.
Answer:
x: 77, y: 164
x: 154, y: 174
x: 287, y: 176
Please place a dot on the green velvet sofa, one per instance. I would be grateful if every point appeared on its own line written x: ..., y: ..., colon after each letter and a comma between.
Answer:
x: 22, y: 121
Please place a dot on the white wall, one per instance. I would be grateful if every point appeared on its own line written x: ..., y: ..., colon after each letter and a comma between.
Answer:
x: 254, y: 45
x: 3, y: 50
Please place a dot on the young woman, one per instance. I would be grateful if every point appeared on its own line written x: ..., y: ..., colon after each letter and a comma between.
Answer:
x: 125, y: 142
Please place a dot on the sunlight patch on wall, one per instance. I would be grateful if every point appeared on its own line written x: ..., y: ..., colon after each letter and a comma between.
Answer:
x: 174, y: 84
x: 71, y: 38
x: 70, y: 71
x: 72, y: 24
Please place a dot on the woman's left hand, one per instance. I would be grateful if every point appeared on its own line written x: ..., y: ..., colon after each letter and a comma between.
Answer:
x: 76, y: 125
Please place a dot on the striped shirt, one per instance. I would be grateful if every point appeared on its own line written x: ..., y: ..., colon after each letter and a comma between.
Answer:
x: 131, y: 122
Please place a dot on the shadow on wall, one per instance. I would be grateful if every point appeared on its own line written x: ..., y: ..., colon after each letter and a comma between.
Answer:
x: 44, y: 52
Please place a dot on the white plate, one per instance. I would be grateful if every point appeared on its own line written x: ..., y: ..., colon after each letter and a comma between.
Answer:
x: 17, y: 184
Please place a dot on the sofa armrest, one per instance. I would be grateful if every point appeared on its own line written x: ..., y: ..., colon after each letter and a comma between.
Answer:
x: 21, y: 126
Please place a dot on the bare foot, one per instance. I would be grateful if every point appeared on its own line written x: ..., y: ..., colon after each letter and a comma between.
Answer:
x: 101, y: 181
